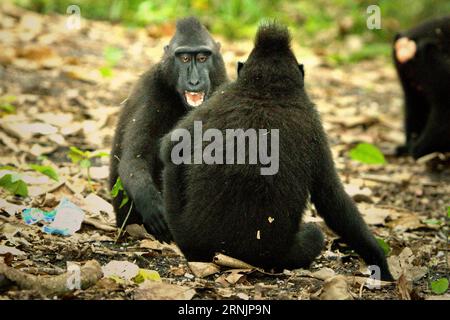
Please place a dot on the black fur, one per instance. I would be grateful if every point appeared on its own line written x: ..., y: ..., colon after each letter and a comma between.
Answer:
x: 152, y: 109
x: 426, y: 84
x: 221, y: 207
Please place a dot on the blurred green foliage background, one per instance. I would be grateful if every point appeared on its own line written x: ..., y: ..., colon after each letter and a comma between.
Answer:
x: 313, y: 22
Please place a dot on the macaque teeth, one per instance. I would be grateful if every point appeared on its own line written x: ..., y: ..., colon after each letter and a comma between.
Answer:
x: 194, y: 99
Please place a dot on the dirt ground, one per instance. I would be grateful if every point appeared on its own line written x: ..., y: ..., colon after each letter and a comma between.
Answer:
x: 61, y: 99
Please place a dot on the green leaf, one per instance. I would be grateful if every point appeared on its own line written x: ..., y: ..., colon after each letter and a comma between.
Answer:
x: 448, y: 212
x: 80, y: 152
x: 46, y: 170
x: 432, y: 221
x: 106, y: 72
x: 76, y: 155
x: 117, y: 279
x: 145, y: 274
x: 75, y: 158
x: 384, y: 246
x: 14, y: 184
x: 15, y: 177
x: 125, y: 200
x: 367, y: 153
x: 7, y: 168
x: 116, y: 188
x: 99, y: 154
x: 112, y: 55
x: 8, y: 99
x: 85, y: 163
x: 115, y: 192
x: 439, y: 286
x: 21, y: 188
x: 7, y: 107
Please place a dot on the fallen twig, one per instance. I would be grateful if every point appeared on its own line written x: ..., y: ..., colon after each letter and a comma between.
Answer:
x: 381, y: 179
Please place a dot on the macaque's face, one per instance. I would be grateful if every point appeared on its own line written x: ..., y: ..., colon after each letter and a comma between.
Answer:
x: 405, y: 49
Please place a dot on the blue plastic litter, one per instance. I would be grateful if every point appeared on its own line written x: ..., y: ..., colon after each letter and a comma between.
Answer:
x: 64, y: 220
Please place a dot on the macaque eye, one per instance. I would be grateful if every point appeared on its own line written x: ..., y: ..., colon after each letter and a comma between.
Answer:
x: 185, y: 58
x: 202, y: 57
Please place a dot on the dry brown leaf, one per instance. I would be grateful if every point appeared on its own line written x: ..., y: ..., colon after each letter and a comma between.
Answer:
x: 403, y: 264
x: 10, y: 208
x: 155, y: 290
x: 95, y: 204
x: 408, y: 222
x: 25, y: 131
x: 99, y: 173
x: 373, y: 215
x: 323, y: 274
x: 156, y: 245
x: 8, y: 141
x: 107, y: 284
x: 353, y: 121
x: 99, y: 225
x: 234, y: 277
x: 11, y: 250
x: 224, y: 292
x: 9, y: 230
x: 336, y: 288
x: 76, y: 185
x: 37, y: 150
x: 71, y: 129
x: 36, y: 191
x: 56, y: 119
x: 151, y: 244
x: 83, y: 74
x: 357, y: 190
x: 33, y: 57
x: 203, y: 269
x: 404, y: 287
x: 222, y: 281
x: 243, y: 296
x: 7, y: 54
x: 138, y: 231
x: 177, y: 271
x: 445, y: 297
x: 58, y: 139
x: 32, y: 23
x: 122, y: 269
x: 226, y: 261
x: 364, y: 281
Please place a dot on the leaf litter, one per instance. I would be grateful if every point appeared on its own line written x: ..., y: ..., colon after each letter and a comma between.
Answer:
x: 61, y: 99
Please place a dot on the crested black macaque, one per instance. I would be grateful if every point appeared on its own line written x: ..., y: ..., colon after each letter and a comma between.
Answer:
x: 219, y: 205
x: 422, y: 59
x: 191, y: 69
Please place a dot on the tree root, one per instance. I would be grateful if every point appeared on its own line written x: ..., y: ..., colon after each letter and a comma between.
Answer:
x: 89, y: 274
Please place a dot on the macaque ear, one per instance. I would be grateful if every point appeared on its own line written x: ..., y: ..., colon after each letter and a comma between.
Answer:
x: 302, y: 70
x: 166, y: 48
x: 219, y: 45
x: 239, y: 67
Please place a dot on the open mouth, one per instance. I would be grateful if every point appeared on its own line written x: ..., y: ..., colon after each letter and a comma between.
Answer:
x: 194, y: 99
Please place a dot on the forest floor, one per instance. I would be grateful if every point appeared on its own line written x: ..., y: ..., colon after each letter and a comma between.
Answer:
x: 65, y: 88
